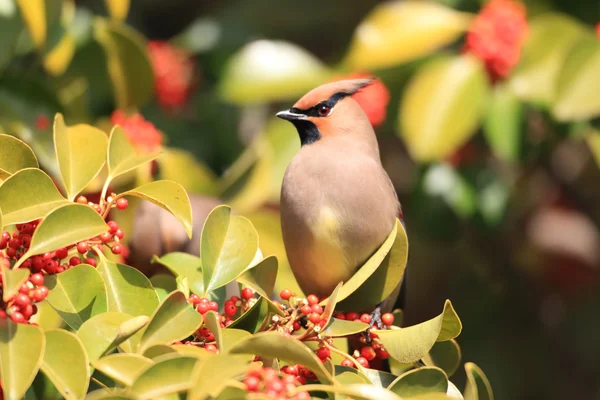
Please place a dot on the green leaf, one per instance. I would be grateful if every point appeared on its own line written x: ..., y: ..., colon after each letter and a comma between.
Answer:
x: 107, y: 394
x: 275, y: 345
x: 1, y: 223
x: 478, y: 387
x: 232, y: 393
x: 163, y: 284
x: 503, y: 123
x: 551, y: 35
x: 441, y: 180
x: 379, y: 276
x: 290, y: 72
x: 445, y: 355
x: 356, y: 391
x: 169, y: 195
x: 231, y: 336
x: 27, y: 195
x: 261, y: 278
x: 211, y: 376
x: 420, y: 381
x: 104, y: 332
x: 34, y: 17
x: 12, y: 279
x: 77, y: 294
x: 15, y: 155
x: 186, y: 265
x: 159, y: 350
x: 12, y: 27
x: 46, y: 317
x: 349, y: 376
x: 398, y: 32
x: 442, y: 106
x: 127, y: 61
x: 174, y: 320
x: 211, y: 320
x: 251, y: 320
x: 80, y: 153
x: 127, y: 289
x: 198, y: 179
x: 578, y: 83
x: 340, y: 327
x: 379, y: 378
x: 64, y: 226
x: 122, y: 156
x: 118, y: 9
x: 165, y: 377
x: 412, y: 343
x: 65, y: 363
x: 21, y: 351
x: 227, y: 246
x: 123, y: 367
x: 330, y: 304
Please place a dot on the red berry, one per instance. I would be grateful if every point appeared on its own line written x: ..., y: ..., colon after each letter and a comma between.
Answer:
x: 194, y: 298
x: 82, y: 247
x: 11, y: 253
x: 340, y: 315
x: 306, y: 310
x: 14, y: 243
x: 51, y: 266
x: 24, y: 288
x: 387, y: 319
x: 230, y: 310
x: 317, y: 309
x: 323, y: 353
x: 368, y: 353
x: 347, y: 363
x: 106, y: 237
x: 5, y: 236
x: 312, y: 299
x: 82, y: 200
x: 314, y: 318
x: 285, y: 294
x: 212, y: 348
x: 113, y: 226
x: 119, y: 233
x: 363, y: 362
x: 247, y: 293
x: 40, y: 293
x: 74, y: 261
x: 366, y: 318
x: 228, y: 322
x: 203, y: 308
x: 37, y: 279
x: 292, y: 370
x: 302, y: 396
x: 122, y: 203
x: 351, y: 316
x: 117, y: 249
x: 17, y: 317
x: 296, y: 326
x: 27, y: 311
x: 2, y: 314
x: 91, y: 261
x: 276, y: 385
x: 252, y: 383
x: 62, y: 253
x: 22, y: 300
x: 213, y: 306
x: 26, y: 241
x: 383, y: 354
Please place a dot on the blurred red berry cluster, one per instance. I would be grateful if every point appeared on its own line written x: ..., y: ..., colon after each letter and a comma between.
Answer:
x: 140, y: 132
x: 598, y: 29
x: 173, y: 73
x: 373, y: 99
x: 497, y: 35
x: 275, y: 386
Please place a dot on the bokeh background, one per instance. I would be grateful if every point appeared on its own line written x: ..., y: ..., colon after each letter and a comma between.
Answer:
x: 486, y: 113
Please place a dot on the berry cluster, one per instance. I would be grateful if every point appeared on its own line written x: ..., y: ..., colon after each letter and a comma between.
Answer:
x: 373, y: 99
x: 598, y: 29
x: 140, y: 132
x: 277, y: 386
x: 497, y: 35
x: 173, y: 73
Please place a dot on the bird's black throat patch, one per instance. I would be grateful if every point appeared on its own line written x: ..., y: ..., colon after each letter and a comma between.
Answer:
x: 308, y: 131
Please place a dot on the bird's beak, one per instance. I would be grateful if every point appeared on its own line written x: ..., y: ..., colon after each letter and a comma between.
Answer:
x: 290, y: 116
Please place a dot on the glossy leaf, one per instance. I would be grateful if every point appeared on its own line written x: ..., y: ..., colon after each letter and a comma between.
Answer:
x: 65, y: 363
x: 186, y: 265
x: 104, y: 332
x: 174, y: 320
x: 80, y: 153
x: 15, y: 155
x: 330, y: 304
x: 340, y: 327
x: 108, y: 394
x: 232, y: 393
x: 64, y: 226
x: 163, y: 284
x: 275, y: 345
x: 551, y: 35
x: 128, y: 63
x: 211, y: 320
x: 503, y: 123
x: 127, y: 289
x: 412, y: 343
x: 27, y: 195
x: 252, y: 319
x: 442, y: 106
x: 264, y: 71
x: 21, y: 351
x: 159, y: 350
x: 231, y: 336
x: 169, y: 195
x: 261, y: 277
x: 227, y: 246
x: 77, y: 294
x: 12, y: 279
x: 478, y: 387
x: 118, y: 8
x: 211, y: 376
x: 398, y: 32
x: 1, y: 223
x: 46, y: 317
x: 445, y: 355
x: 165, y: 377
x: 420, y: 381
x: 122, y: 156
x: 186, y: 350
x: 34, y: 16
x: 355, y: 391
x: 578, y: 83
x: 123, y: 367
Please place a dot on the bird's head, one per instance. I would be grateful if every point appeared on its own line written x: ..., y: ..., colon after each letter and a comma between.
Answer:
x: 330, y: 111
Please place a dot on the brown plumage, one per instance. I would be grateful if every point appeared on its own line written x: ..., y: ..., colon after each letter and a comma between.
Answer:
x: 338, y: 204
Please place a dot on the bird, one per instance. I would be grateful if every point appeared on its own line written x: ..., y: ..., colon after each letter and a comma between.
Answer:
x: 338, y: 204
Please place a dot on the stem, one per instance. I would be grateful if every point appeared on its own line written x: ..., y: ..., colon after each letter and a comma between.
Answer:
x: 101, y: 384
x: 105, y: 188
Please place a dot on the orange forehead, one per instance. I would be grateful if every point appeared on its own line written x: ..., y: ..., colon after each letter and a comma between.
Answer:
x: 324, y: 92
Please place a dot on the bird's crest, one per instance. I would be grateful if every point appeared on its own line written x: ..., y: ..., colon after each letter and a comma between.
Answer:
x: 324, y: 92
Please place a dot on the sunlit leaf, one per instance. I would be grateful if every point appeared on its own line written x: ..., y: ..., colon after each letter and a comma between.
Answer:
x: 15, y: 154
x: 211, y: 320
x: 108, y: 394
x: 211, y: 376
x: 123, y: 367
x: 503, y: 123
x: 122, y: 156
x: 163, y: 284
x: 445, y: 355
x: 165, y: 377
x: 231, y: 336
x: 46, y: 317
x: 478, y: 387
x: 401, y: 31
x: 12, y: 279
x: 420, y: 381
x: 261, y: 277
x: 77, y: 294
x: 65, y: 363
x: 27, y: 195
x: 34, y: 16
x: 355, y: 391
x: 442, y: 106
x: 80, y: 153
x: 21, y: 352
x: 118, y: 9
x: 340, y: 327
x: 184, y: 264
x: 57, y: 60
x: 252, y: 319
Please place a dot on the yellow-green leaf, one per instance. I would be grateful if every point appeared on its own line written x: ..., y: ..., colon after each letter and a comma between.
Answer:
x: 122, y: 156
x: 80, y: 153
x: 108, y: 394
x: 442, y: 106
x: 66, y: 364
x: 227, y: 246
x: 211, y: 376
x: 420, y: 381
x: 503, y: 123
x: 186, y: 265
x: 165, y: 377
x: 12, y: 279
x: 123, y: 367
x: 64, y: 226
x: 340, y: 327
x: 264, y: 71
x: 57, y: 60
x: 174, y: 320
x: 27, y: 195
x: 478, y: 387
x: 412, y: 343
x: 355, y: 391
x: 77, y: 294
x: 445, y: 355
x: 118, y: 9
x: 34, y: 16
x: 261, y: 277
x: 198, y: 179
x: 169, y: 195
x: 401, y: 31
x: 128, y: 63
x: 15, y: 155
x: 21, y: 351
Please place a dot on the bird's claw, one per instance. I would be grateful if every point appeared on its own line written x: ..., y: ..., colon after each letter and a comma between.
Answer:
x: 375, y: 321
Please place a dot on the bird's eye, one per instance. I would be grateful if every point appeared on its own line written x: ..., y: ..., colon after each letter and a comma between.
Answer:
x: 324, y: 111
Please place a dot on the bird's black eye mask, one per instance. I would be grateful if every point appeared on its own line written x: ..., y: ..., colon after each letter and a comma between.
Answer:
x: 322, y: 109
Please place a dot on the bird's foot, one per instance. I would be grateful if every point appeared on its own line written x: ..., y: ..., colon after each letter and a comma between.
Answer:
x: 375, y: 321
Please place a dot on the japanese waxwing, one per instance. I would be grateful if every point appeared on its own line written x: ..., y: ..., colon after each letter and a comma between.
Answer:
x: 338, y: 204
